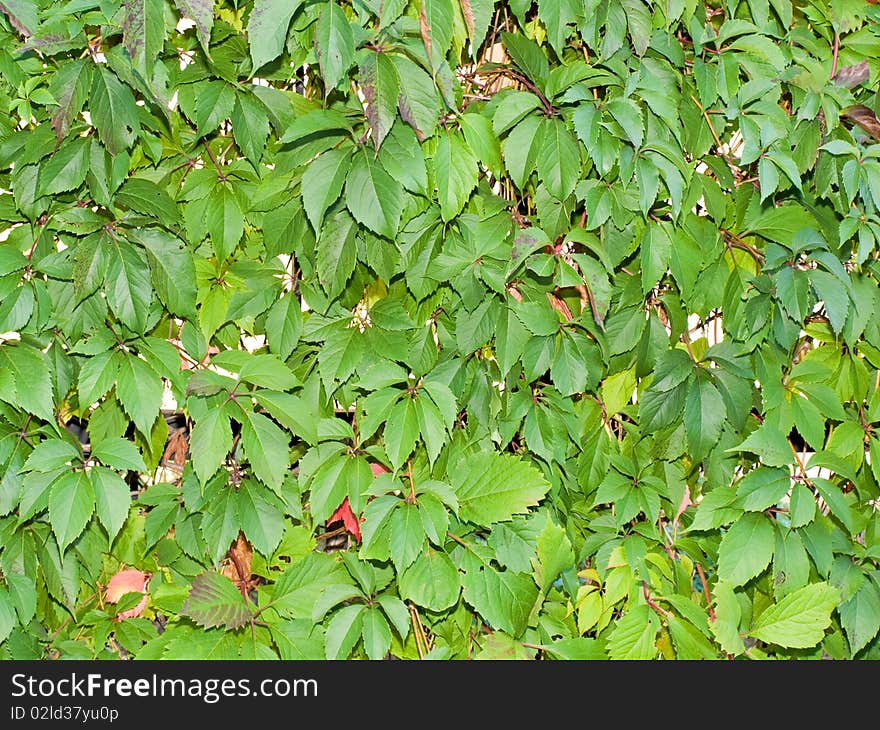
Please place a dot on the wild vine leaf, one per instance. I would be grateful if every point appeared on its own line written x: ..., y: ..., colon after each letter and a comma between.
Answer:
x: 493, y: 487
x: 267, y: 29
x: 214, y: 601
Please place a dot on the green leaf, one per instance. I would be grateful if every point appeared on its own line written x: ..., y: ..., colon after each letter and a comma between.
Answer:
x: 401, y: 431
x: 143, y: 33
x: 431, y: 581
x: 493, y: 487
x: 746, y: 549
x: 554, y: 553
x: 322, y: 183
x: 337, y: 252
x: 66, y: 169
x: 50, y: 455
x: 127, y: 283
x: 799, y: 620
x: 376, y: 633
x: 202, y: 13
x: 112, y: 499
x: 559, y: 159
x: 262, y: 520
x: 334, y: 45
x: 267, y: 29
x: 381, y: 86
x: 344, y: 631
x: 769, y: 443
x: 762, y: 488
x: 210, y: 442
x: 71, y: 505
x: 214, y: 601
x: 284, y: 325
x: 436, y: 21
x: 225, y: 221
x: 139, y: 390
x: 296, y: 592
x: 482, y: 140
x: 634, y: 635
x: 173, y: 270
x: 119, y: 453
x: 704, y: 414
x: 113, y: 112
x: 860, y: 616
x: 250, y: 125
x: 7, y: 614
x: 25, y: 381
x: 406, y: 536
x: 455, y: 170
x: 374, y: 198
x: 96, y: 376
x: 266, y: 447
x: 144, y: 196
x: 503, y: 598
x: 728, y: 612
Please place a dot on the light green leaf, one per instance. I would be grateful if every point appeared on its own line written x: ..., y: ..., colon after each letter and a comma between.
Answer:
x: 634, y: 635
x: 401, y: 431
x: 799, y: 620
x: 728, y: 612
x: 704, y: 414
x: 503, y: 598
x: 431, y: 581
x: 492, y: 487
x: 746, y: 549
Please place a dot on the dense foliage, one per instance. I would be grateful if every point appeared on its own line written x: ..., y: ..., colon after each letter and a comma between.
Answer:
x: 439, y: 328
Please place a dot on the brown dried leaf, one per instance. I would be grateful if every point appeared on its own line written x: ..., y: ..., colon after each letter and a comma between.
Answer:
x: 240, y: 557
x: 852, y: 76
x: 865, y: 118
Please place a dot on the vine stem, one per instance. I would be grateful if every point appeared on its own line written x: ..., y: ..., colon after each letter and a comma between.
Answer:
x: 662, y: 612
x: 220, y: 172
x: 706, y: 591
x: 834, y: 51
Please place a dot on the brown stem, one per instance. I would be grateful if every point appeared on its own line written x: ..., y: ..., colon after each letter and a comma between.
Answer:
x: 834, y: 51
x: 650, y: 602
x: 706, y: 591
x: 220, y: 173
x: 331, y: 533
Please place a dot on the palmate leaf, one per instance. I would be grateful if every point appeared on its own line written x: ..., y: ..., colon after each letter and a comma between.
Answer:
x: 493, y: 487
x: 214, y: 601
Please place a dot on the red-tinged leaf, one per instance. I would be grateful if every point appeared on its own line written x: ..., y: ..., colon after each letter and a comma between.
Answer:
x: 351, y: 522
x: 378, y: 469
x: 127, y: 580
x: 214, y: 601
x: 468, y: 12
